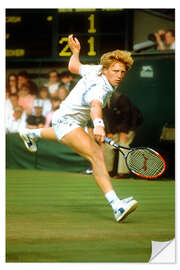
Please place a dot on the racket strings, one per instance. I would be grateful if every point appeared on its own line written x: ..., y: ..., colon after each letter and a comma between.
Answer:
x: 145, y: 162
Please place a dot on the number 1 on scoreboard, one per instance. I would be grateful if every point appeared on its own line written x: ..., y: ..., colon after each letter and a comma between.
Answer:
x: 91, y: 20
x: 91, y: 51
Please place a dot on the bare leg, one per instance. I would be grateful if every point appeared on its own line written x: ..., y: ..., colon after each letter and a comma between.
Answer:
x: 85, y: 146
x: 48, y: 134
x: 81, y: 142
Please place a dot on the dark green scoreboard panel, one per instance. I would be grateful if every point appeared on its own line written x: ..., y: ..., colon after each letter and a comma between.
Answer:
x: 33, y: 34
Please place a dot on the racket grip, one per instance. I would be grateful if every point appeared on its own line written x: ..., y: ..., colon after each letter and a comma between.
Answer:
x: 111, y: 142
x: 107, y: 140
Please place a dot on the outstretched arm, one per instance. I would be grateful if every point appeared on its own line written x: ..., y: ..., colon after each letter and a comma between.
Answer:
x: 96, y: 116
x: 74, y: 63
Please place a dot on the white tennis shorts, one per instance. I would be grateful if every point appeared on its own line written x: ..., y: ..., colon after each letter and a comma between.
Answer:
x: 63, y: 124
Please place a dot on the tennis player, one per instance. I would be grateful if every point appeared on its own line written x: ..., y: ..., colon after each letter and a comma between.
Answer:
x: 86, y: 101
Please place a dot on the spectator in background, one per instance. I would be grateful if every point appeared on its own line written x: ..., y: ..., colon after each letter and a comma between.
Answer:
x: 40, y: 121
x: 7, y: 93
x: 26, y: 99
x: 37, y: 107
x: 17, y: 120
x: 66, y: 80
x: 31, y: 121
x: 45, y: 97
x: 23, y: 79
x: 10, y: 103
x: 53, y: 82
x: 62, y: 93
x: 12, y: 86
x: 165, y: 39
x: 36, y: 119
x: 55, y: 105
x: 121, y: 120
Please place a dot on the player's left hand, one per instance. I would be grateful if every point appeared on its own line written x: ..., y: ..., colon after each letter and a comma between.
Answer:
x: 99, y: 134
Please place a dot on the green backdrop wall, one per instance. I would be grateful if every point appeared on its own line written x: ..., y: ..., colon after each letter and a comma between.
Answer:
x: 49, y: 156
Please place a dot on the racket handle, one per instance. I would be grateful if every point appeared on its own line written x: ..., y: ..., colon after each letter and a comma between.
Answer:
x: 107, y: 140
x: 111, y: 142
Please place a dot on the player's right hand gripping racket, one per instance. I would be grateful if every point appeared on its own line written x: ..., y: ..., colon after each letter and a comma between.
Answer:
x: 142, y: 161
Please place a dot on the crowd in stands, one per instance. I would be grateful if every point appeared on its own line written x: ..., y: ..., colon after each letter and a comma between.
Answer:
x: 28, y: 105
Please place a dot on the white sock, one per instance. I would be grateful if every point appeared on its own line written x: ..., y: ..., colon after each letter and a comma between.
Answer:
x: 36, y: 132
x: 112, y: 198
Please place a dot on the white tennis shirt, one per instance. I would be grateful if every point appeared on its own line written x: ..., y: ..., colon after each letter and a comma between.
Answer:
x: 92, y: 86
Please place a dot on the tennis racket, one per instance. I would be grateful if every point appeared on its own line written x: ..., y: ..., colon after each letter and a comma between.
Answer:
x: 141, y: 161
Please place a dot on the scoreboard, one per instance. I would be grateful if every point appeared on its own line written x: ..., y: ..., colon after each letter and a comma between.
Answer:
x: 28, y: 34
x: 42, y: 34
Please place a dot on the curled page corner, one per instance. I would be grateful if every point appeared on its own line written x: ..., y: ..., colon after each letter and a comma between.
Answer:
x: 163, y: 252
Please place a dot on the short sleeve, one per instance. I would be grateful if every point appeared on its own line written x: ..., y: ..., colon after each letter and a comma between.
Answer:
x: 94, y: 92
x: 88, y: 70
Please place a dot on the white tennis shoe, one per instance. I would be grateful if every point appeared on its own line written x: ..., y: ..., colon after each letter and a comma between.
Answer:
x: 29, y: 139
x: 128, y: 199
x: 124, y: 208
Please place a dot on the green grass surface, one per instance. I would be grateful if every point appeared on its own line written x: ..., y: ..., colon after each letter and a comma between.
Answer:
x: 63, y: 217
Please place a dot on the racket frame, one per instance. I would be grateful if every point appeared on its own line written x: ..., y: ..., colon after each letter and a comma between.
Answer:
x: 119, y: 147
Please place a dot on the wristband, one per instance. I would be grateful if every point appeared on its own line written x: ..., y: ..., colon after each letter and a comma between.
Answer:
x: 98, y: 122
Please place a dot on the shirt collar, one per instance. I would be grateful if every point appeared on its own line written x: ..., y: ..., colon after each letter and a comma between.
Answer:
x: 107, y: 82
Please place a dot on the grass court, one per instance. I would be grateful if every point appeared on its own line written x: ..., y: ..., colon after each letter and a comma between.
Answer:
x: 64, y: 217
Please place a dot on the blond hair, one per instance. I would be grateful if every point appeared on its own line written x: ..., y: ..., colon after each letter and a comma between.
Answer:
x: 116, y: 56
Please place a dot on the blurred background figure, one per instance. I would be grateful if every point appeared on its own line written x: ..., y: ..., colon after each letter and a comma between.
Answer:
x: 10, y: 103
x: 55, y: 105
x: 31, y: 121
x: 12, y: 86
x: 121, y: 120
x: 40, y: 121
x: 62, y: 93
x: 165, y: 39
x: 37, y: 118
x: 37, y: 107
x: 53, y: 82
x: 23, y: 79
x: 66, y: 79
x: 16, y: 121
x: 45, y: 98
x: 161, y: 40
x: 26, y: 99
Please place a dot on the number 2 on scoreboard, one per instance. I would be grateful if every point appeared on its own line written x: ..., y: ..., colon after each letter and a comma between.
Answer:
x: 64, y: 51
